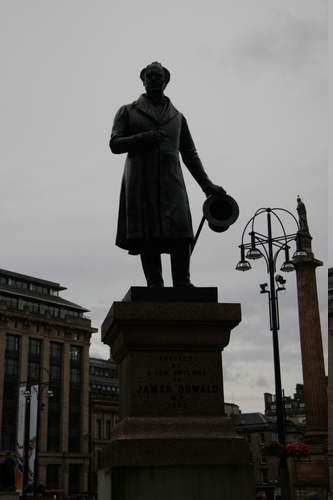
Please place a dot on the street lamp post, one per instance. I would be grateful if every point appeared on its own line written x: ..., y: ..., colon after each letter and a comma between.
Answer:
x: 269, y: 248
x: 26, y: 445
x: 40, y: 407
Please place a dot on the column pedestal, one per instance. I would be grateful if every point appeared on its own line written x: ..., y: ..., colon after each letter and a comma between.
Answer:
x: 173, y: 439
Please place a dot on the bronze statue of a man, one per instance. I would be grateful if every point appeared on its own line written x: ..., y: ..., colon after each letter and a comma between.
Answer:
x: 154, y: 213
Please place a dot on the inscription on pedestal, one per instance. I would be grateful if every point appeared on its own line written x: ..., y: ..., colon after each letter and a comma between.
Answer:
x: 169, y: 382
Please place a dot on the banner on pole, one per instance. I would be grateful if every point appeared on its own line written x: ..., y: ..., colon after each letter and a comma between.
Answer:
x: 20, y: 440
x: 33, y: 431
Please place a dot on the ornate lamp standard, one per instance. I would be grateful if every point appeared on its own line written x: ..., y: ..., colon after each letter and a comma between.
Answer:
x: 40, y: 407
x: 266, y: 246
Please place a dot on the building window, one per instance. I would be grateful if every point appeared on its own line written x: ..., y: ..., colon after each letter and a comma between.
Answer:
x: 75, y: 375
x: 108, y: 429
x: 76, y: 336
x: 33, y: 306
x: 52, y: 477
x: 36, y: 328
x: 53, y: 311
x: 11, y: 367
x: 75, y: 353
x: 74, y: 428
x: 263, y: 460
x: 34, y: 359
x: 74, y: 478
x: 39, y: 289
x: 12, y: 343
x: 98, y: 428
x: 55, y: 350
x: 14, y: 324
x: 55, y: 374
x: 56, y: 332
x: 19, y: 284
x: 262, y: 438
x: 10, y: 301
x: 264, y: 477
x: 34, y: 347
x: 10, y: 390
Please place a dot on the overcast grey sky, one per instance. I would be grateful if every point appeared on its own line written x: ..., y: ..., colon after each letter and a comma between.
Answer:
x: 251, y: 79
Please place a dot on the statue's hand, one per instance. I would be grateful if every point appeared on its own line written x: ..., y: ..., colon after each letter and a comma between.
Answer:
x: 153, y: 137
x: 214, y: 189
x: 157, y: 136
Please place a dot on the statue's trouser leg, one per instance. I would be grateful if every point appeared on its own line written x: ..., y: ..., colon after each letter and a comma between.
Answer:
x: 180, y: 262
x: 151, y: 263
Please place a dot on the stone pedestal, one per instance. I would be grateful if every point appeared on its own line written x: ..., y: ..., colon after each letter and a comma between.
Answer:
x: 173, y: 439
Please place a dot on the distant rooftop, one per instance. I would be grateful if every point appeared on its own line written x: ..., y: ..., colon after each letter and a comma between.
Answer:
x: 24, y: 277
x: 16, y: 286
x: 251, y: 419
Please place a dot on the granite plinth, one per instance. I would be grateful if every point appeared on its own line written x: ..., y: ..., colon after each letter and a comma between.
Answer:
x: 169, y: 294
x: 194, y: 482
x: 173, y: 439
x: 173, y: 326
x: 171, y: 382
x: 191, y: 440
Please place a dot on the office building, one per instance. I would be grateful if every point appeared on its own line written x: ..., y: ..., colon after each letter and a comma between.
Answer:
x: 44, y: 344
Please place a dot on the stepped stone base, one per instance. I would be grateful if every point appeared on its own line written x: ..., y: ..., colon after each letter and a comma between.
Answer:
x: 173, y: 440
x: 194, y: 482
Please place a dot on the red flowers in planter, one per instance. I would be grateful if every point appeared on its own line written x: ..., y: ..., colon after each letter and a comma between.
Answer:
x: 297, y: 450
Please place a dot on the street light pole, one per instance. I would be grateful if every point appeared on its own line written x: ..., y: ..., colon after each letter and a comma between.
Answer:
x: 281, y: 243
x: 274, y: 326
x: 26, y: 445
x: 36, y: 462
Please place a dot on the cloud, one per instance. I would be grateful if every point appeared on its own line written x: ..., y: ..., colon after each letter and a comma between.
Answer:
x: 280, y: 43
x: 261, y: 382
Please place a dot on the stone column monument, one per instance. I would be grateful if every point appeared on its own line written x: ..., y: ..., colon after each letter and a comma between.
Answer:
x: 312, y: 474
x: 173, y: 440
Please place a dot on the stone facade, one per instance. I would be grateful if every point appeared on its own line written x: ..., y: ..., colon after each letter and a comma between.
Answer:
x: 257, y: 429
x: 104, y: 410
x: 294, y: 408
x: 45, y: 339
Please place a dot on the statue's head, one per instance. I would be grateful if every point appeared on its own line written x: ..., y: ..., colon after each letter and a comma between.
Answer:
x: 155, y: 78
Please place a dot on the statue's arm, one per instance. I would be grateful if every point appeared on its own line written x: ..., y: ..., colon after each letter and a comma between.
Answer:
x: 123, y: 142
x: 192, y: 161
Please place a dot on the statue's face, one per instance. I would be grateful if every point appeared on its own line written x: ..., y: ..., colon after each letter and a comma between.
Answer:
x: 154, y: 81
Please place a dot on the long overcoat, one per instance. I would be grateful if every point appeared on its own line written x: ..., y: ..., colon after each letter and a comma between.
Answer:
x: 153, y: 197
